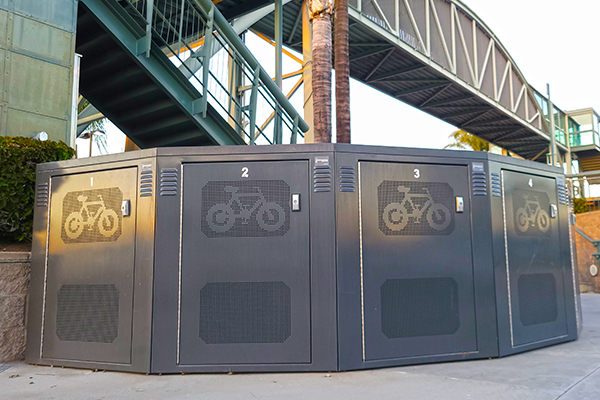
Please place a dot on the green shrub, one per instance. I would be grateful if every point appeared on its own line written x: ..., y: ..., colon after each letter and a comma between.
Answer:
x: 18, y: 158
x: 580, y: 205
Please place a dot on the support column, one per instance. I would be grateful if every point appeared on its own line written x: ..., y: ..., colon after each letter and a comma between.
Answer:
x: 552, y: 129
x: 234, y: 73
x: 277, y: 130
x: 307, y: 73
x: 569, y: 159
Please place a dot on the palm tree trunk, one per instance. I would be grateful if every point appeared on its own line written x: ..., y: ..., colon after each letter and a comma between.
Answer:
x: 342, y: 72
x: 320, y: 14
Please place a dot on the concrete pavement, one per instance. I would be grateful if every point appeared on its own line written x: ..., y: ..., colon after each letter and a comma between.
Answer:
x: 567, y: 371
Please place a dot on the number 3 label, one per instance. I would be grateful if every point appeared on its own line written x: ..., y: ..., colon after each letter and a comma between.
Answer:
x: 244, y: 172
x: 417, y: 173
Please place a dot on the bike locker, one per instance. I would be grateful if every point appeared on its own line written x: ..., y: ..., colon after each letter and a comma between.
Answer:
x: 244, y: 264
x: 90, y: 264
x: 534, y: 272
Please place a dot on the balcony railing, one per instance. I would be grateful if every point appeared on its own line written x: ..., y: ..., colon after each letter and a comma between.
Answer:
x: 585, y: 138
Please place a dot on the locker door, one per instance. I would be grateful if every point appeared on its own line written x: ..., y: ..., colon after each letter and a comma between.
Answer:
x: 535, y: 276
x: 245, y: 276
x: 417, y: 267
x: 89, y: 290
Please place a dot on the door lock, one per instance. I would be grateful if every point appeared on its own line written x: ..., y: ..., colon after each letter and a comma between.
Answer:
x: 460, y: 204
x: 126, y: 208
x: 553, y: 211
x: 296, y: 202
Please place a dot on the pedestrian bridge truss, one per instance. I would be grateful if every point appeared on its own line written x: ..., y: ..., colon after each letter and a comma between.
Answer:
x: 438, y: 56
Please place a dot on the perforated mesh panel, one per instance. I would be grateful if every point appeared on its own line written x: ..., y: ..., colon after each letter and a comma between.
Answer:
x: 245, y: 312
x: 531, y: 210
x: 248, y: 208
x: 92, y: 216
x: 419, y: 307
x: 537, y: 299
x: 88, y: 313
x: 415, y: 208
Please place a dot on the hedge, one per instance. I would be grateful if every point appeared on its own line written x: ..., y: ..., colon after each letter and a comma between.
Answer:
x: 18, y: 158
x: 580, y: 205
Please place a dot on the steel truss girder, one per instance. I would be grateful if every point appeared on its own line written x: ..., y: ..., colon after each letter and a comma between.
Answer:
x: 456, y: 31
x: 419, y: 89
x: 491, y: 122
x: 370, y: 53
x: 450, y: 100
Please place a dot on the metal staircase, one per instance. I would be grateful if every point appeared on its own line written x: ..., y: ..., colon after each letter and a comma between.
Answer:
x: 173, y: 73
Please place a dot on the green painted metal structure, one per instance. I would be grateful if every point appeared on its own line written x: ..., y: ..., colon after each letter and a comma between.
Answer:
x: 129, y: 71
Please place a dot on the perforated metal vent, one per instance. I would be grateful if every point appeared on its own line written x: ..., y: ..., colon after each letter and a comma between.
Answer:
x: 419, y: 307
x: 563, y: 193
x: 168, y: 181
x: 41, y: 197
x: 537, y: 299
x: 347, y: 179
x: 415, y: 208
x: 496, y: 185
x: 88, y: 313
x: 322, y: 178
x: 531, y: 213
x: 245, y: 312
x: 478, y: 180
x: 92, y: 216
x: 146, y: 182
x: 248, y: 208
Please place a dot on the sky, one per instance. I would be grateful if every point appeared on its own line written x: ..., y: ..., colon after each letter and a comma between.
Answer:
x: 551, y: 41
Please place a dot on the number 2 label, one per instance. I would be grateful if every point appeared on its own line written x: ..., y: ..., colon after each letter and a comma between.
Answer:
x: 244, y: 172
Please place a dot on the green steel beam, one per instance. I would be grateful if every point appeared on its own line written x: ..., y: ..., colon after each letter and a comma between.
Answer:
x: 130, y: 35
x: 239, y: 46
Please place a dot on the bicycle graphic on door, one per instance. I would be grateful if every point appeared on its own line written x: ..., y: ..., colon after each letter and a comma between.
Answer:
x: 92, y: 214
x: 269, y: 216
x: 416, y: 207
x: 531, y: 215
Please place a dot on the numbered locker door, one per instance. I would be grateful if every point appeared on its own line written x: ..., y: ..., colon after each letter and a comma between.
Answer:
x: 245, y: 280
x: 535, y: 276
x: 417, y: 261
x: 89, y: 289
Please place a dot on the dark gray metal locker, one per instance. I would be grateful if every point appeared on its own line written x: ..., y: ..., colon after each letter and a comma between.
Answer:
x: 245, y: 273
x: 534, y: 265
x: 90, y: 265
x: 417, y: 266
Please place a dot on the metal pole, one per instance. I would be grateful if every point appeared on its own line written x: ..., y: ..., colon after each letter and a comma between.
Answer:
x: 227, y: 31
x: 307, y: 72
x: 552, y: 128
x: 149, y: 16
x: 277, y: 134
x: 569, y: 157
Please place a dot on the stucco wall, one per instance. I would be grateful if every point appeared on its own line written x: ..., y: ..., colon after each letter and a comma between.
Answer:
x: 589, y: 223
x: 14, y: 282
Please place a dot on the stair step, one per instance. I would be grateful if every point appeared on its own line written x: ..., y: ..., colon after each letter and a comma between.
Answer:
x: 150, y: 111
x: 142, y: 91
x: 120, y: 82
x: 177, y: 138
x: 93, y: 44
x: 112, y: 57
x: 168, y: 124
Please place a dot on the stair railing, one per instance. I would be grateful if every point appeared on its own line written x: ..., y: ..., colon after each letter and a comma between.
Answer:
x: 203, y: 45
